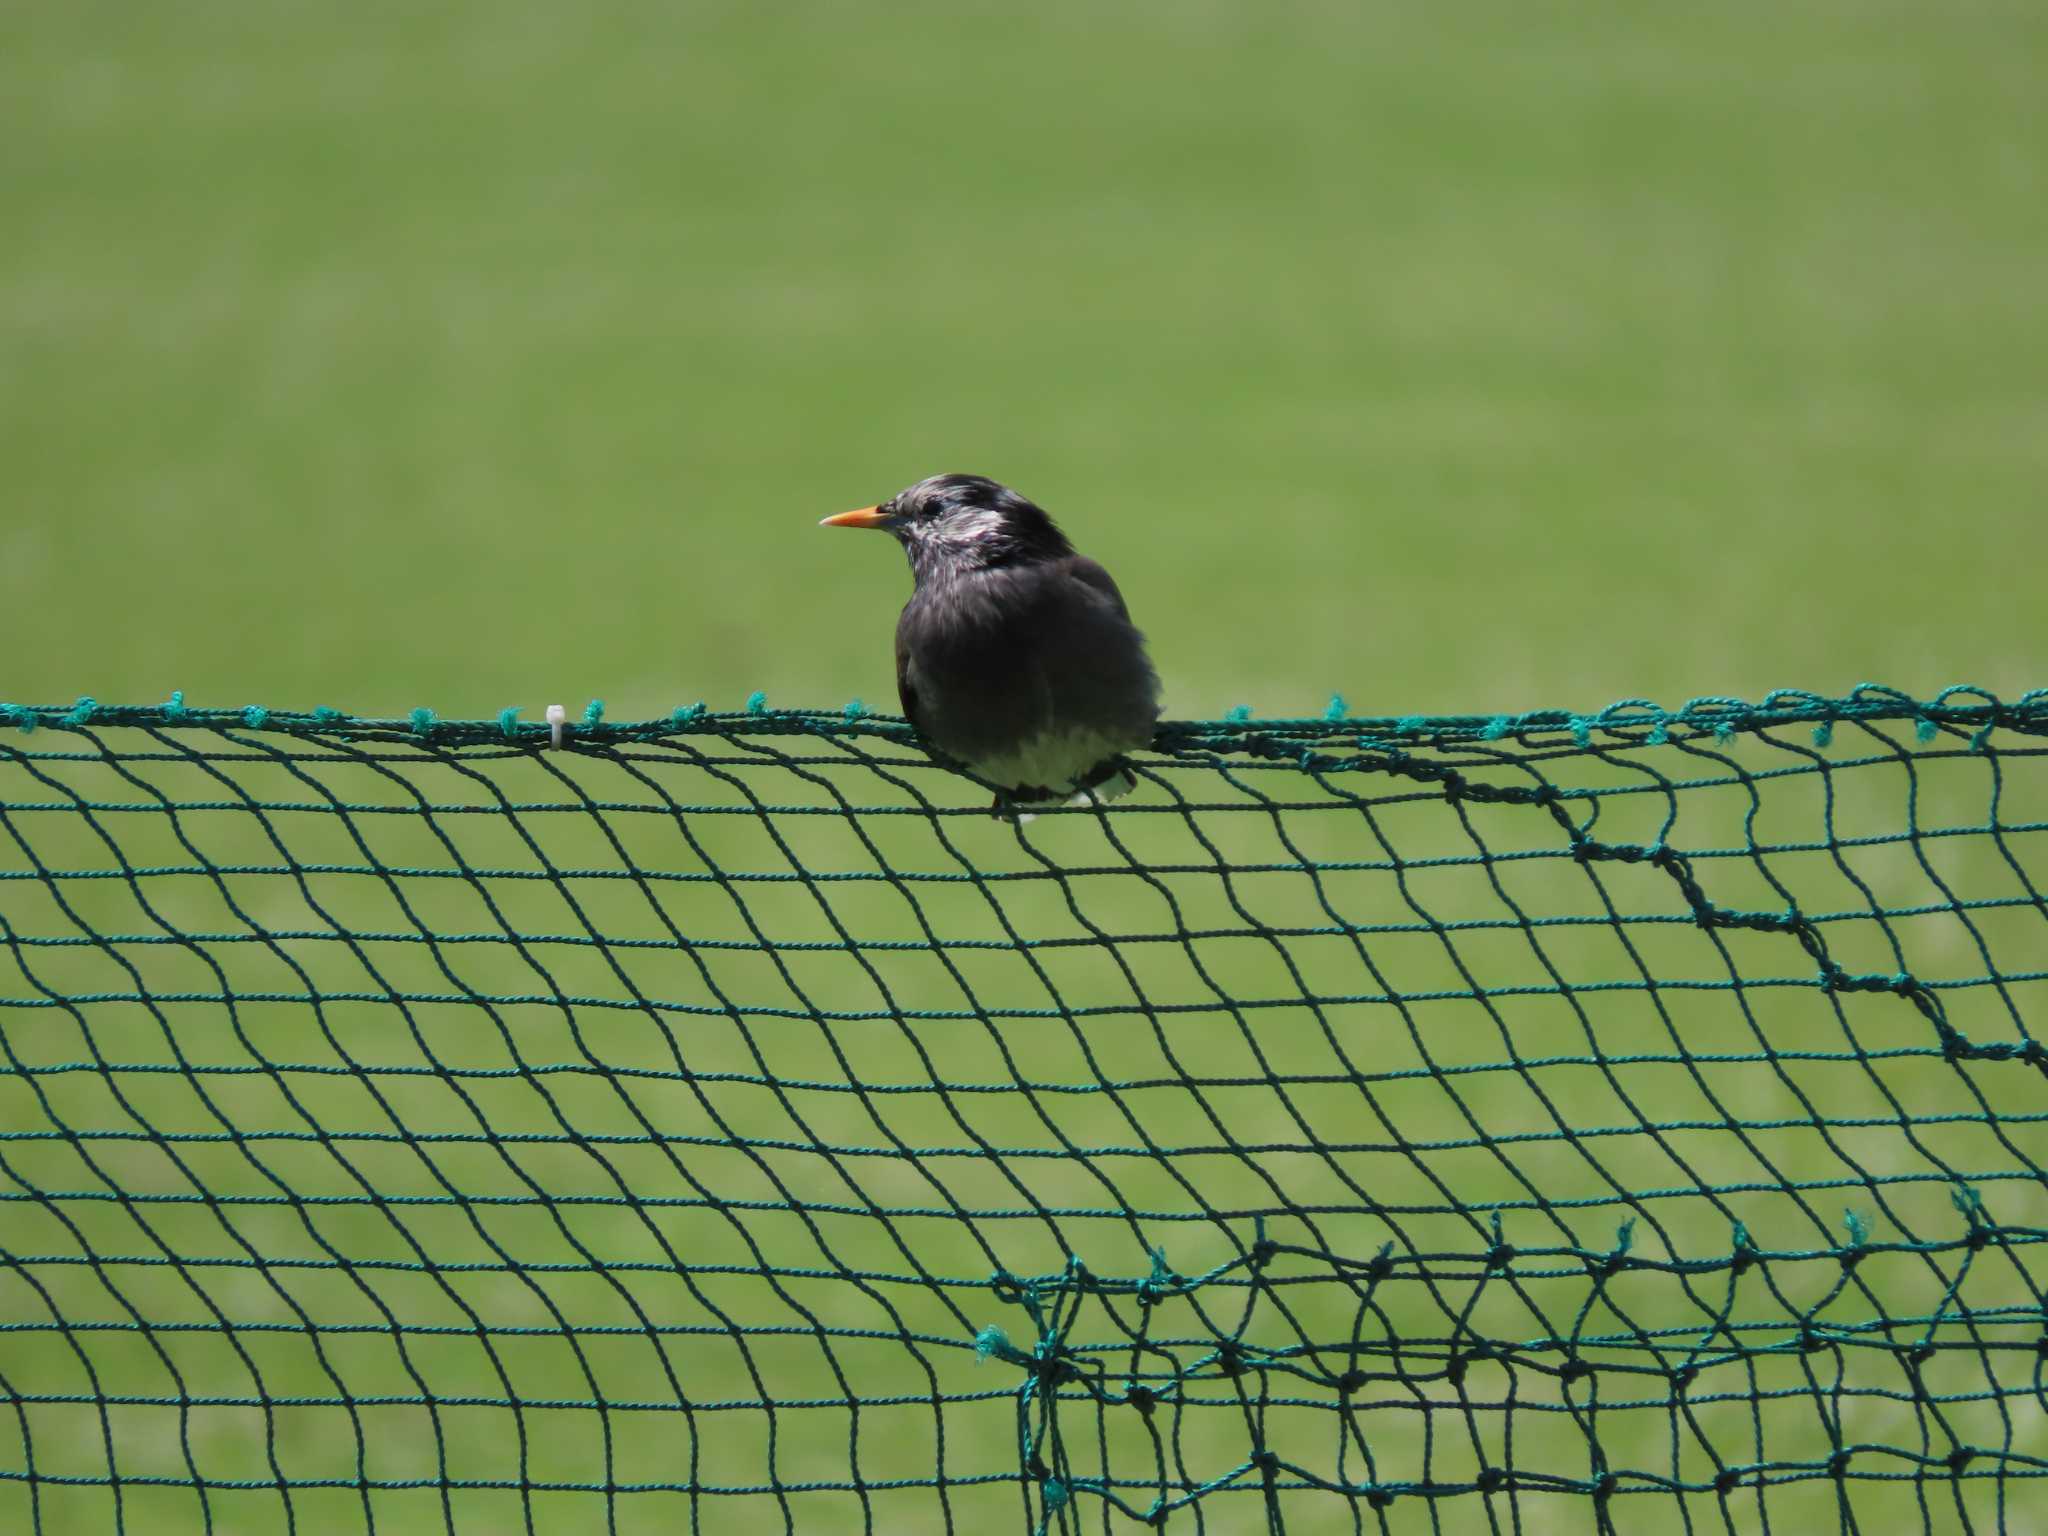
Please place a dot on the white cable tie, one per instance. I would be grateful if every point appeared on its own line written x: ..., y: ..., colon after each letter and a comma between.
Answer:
x: 557, y: 718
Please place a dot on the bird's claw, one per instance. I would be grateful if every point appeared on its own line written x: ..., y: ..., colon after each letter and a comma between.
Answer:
x: 1005, y: 808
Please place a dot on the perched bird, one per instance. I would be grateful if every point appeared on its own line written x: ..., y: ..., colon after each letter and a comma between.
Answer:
x: 1014, y: 655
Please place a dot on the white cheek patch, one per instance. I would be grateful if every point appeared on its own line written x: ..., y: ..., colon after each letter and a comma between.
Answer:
x: 965, y: 529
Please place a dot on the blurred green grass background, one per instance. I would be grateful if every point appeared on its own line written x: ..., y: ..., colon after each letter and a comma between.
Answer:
x: 1461, y: 357
x: 1467, y: 357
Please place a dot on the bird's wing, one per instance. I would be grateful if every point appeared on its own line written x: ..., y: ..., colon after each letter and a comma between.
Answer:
x: 1096, y: 658
x: 906, y: 686
x: 1086, y: 571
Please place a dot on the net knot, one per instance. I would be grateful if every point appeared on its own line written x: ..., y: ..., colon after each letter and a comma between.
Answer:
x: 1617, y: 1258
x: 1382, y: 1263
x: 1490, y: 1480
x: 1744, y: 1253
x: 1960, y: 1458
x: 1603, y: 1488
x: 1160, y: 1284
x: 1835, y: 979
x: 81, y: 712
x: 993, y: 1342
x: 1838, y: 1464
x: 1727, y: 1480
x: 1050, y: 1365
x: 1859, y: 1236
x: 1971, y: 1204
x: 1351, y: 1381
x: 1142, y: 1398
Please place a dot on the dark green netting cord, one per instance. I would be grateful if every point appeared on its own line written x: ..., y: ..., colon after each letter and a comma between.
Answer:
x: 1623, y: 1121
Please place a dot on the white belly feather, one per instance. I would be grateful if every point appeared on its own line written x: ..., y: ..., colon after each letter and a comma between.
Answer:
x: 1055, y: 759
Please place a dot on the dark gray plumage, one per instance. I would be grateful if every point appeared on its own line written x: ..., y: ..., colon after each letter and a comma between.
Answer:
x: 1014, y: 654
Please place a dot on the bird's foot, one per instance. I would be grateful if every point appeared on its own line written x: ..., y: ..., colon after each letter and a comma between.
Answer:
x: 1008, y: 805
x: 1108, y: 780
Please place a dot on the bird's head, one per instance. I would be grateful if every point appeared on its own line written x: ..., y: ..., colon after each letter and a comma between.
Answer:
x: 955, y: 523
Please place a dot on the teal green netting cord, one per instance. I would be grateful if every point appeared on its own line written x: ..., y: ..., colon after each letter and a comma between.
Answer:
x: 1513, y: 1122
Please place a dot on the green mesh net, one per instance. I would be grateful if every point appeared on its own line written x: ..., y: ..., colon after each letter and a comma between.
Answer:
x: 1627, y: 1121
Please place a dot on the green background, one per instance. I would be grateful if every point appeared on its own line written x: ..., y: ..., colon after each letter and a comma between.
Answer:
x: 1450, y: 357
x: 1462, y: 357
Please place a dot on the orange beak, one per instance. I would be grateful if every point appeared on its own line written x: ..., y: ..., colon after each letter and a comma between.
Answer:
x: 859, y: 517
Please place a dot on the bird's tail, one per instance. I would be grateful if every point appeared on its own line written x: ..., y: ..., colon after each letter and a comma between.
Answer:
x: 1119, y: 781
